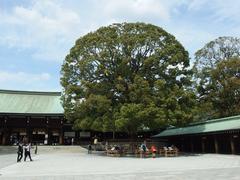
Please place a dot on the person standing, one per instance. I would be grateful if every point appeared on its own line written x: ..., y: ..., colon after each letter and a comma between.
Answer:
x: 144, y: 149
x: 154, y: 151
x: 27, y: 152
x: 95, y: 142
x: 90, y: 148
x: 20, y: 152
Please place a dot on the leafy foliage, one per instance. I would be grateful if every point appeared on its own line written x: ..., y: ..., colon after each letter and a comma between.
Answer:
x: 129, y: 77
x: 223, y: 91
x: 220, y: 49
x: 216, y: 84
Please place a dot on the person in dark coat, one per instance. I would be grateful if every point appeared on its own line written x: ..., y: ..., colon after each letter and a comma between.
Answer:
x: 27, y: 152
x: 90, y: 148
x: 20, y: 152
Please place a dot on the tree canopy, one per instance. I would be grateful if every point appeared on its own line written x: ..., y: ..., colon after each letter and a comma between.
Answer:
x: 220, y: 49
x: 223, y: 90
x: 127, y: 77
x: 216, y: 70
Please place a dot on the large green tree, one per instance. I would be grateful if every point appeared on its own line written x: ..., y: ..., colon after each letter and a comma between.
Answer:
x: 223, y: 90
x: 127, y: 77
x: 209, y: 59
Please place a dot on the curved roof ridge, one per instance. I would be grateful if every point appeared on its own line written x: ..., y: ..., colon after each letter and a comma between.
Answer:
x: 213, y: 120
x: 48, y: 93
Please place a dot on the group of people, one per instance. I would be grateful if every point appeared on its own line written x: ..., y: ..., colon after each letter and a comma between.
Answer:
x: 90, y: 146
x: 27, y: 151
x: 144, y: 150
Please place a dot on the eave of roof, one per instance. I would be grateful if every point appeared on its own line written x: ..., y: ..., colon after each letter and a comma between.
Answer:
x: 215, y: 125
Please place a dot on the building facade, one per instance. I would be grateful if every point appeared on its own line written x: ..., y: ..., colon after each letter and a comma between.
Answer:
x: 33, y: 116
x: 212, y: 136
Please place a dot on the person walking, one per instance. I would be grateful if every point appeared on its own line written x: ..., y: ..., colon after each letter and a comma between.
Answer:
x: 20, y: 152
x: 90, y: 148
x: 27, y: 152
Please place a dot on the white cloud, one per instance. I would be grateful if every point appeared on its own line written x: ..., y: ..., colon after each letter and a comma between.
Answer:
x: 150, y: 8
x: 221, y: 10
x: 22, y: 77
x: 44, y: 27
x: 25, y: 81
x: 49, y: 28
x: 227, y: 10
x: 195, y: 4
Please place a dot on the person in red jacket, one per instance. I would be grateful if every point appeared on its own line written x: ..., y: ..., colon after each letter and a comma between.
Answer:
x: 154, y: 151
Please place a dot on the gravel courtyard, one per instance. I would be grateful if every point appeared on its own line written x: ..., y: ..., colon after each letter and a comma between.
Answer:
x: 77, y: 164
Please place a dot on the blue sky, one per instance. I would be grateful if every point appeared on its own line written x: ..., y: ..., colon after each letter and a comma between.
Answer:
x: 36, y: 35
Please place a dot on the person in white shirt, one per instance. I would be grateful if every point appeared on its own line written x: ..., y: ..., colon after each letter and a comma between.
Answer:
x: 27, y: 152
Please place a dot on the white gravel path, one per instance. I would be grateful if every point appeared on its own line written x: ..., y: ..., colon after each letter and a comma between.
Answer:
x: 63, y: 165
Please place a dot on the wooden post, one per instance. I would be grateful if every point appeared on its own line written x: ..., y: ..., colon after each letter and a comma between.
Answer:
x: 232, y: 145
x: 60, y: 137
x: 216, y: 144
x: 4, y: 138
x: 61, y: 134
x: 203, y: 145
x: 49, y: 139
x: 4, y: 134
x: 29, y: 131
x: 182, y: 146
x: 192, y: 144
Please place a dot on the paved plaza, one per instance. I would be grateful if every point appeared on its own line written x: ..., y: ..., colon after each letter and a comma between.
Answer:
x: 77, y: 164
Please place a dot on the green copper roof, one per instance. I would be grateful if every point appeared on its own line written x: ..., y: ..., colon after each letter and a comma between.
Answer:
x: 30, y: 102
x: 229, y: 123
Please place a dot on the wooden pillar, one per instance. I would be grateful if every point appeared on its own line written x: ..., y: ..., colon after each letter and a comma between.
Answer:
x: 47, y: 135
x: 1, y: 137
x: 233, y: 150
x: 216, y: 144
x: 203, y: 144
x: 4, y: 134
x: 4, y: 138
x: 49, y: 132
x: 182, y: 146
x: 29, y: 132
x: 61, y: 136
x: 192, y: 145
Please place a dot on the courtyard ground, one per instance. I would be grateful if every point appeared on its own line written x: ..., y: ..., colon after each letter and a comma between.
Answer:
x: 74, y: 163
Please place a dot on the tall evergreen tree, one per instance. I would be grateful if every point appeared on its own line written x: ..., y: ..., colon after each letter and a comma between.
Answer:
x: 127, y: 77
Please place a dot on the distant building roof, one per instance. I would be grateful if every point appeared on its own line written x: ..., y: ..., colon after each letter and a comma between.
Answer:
x: 216, y: 125
x: 30, y: 102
